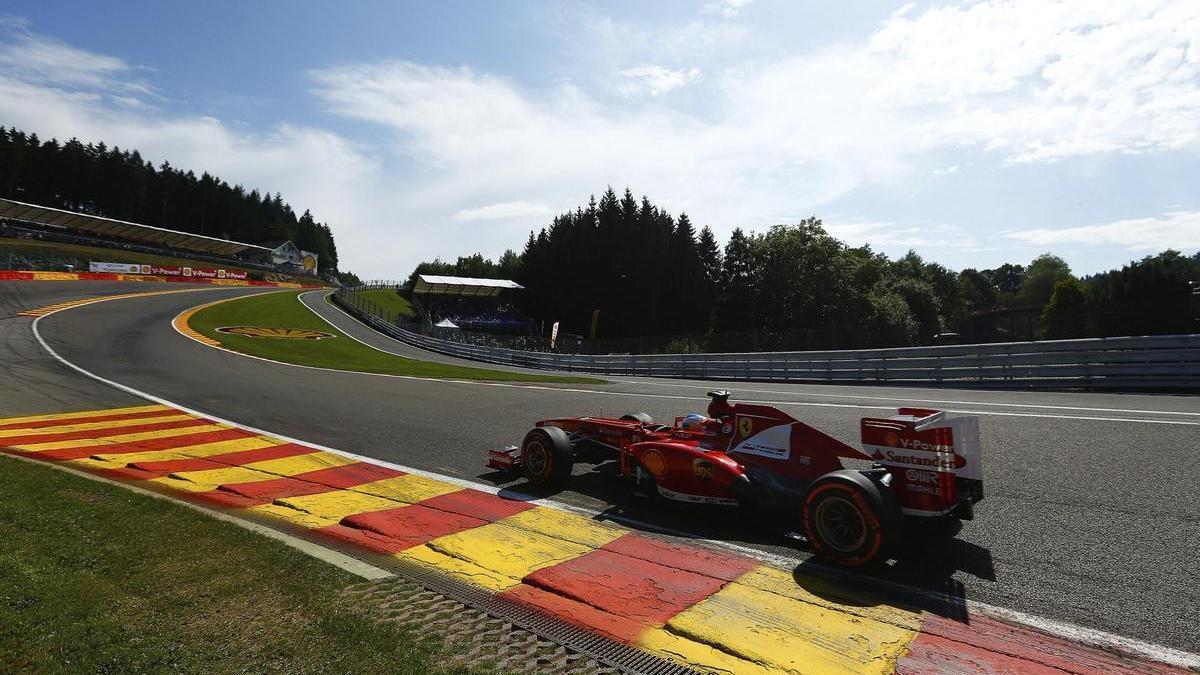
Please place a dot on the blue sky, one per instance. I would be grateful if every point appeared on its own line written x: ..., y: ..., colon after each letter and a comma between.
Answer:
x: 976, y: 133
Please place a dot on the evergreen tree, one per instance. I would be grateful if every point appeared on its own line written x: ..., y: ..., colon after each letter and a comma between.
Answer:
x: 1065, y: 315
x: 116, y: 183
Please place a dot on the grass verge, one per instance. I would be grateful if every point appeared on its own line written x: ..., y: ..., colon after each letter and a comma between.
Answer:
x: 388, y: 303
x: 283, y: 310
x: 95, y: 578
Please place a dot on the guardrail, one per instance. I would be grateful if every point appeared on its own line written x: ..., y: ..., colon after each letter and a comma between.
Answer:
x: 1162, y: 362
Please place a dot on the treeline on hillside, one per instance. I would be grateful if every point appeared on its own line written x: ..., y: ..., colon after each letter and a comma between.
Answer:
x: 798, y: 287
x: 117, y: 183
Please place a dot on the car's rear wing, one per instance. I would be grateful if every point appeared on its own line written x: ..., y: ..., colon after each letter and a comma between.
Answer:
x: 935, y: 460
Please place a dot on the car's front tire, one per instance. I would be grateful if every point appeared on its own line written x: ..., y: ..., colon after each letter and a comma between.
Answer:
x: 547, y: 458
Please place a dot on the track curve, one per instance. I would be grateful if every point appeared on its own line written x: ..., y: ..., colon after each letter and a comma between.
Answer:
x: 1089, y: 504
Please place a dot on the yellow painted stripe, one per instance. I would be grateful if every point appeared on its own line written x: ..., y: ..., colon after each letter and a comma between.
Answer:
x: 700, y: 656
x: 290, y: 466
x: 118, y: 440
x: 791, y: 635
x: 565, y: 525
x: 507, y: 551
x: 409, y: 488
x: 459, y: 569
x: 84, y: 413
x: 93, y: 426
x: 183, y: 325
x: 209, y: 479
x: 326, y: 508
x: 56, y: 276
x: 115, y: 461
x: 828, y: 594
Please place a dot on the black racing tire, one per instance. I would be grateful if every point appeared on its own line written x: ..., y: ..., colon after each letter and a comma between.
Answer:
x: 547, y: 458
x: 642, y: 417
x: 849, y: 519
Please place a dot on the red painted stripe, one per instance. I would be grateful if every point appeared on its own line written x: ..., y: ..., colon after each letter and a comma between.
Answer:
x: 348, y: 475
x: 585, y: 616
x: 237, y: 458
x: 101, y: 433
x: 618, y: 584
x: 267, y: 491
x: 165, y: 443
x: 982, y: 644
x: 476, y: 504
x: 83, y: 420
x: 724, y: 566
x: 131, y: 472
x: 259, y: 492
x: 364, y: 538
x: 411, y: 525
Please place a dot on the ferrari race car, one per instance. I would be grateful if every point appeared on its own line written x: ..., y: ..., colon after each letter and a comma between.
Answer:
x: 924, y: 465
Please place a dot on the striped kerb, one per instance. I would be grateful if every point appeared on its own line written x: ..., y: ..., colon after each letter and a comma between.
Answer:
x: 714, y: 610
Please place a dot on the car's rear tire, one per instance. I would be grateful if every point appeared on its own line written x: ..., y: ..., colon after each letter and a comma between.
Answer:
x: 642, y: 417
x: 849, y: 519
x: 547, y: 458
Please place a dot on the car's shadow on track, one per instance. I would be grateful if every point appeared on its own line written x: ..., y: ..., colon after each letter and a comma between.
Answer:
x: 924, y: 569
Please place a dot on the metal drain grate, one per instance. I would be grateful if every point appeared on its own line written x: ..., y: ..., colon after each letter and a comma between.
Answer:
x: 471, y: 635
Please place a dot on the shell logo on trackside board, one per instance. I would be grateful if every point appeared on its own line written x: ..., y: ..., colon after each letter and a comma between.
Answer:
x: 275, y: 333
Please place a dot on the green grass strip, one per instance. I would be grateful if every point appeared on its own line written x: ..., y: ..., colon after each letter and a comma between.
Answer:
x: 97, y: 579
x: 284, y: 310
x: 386, y: 303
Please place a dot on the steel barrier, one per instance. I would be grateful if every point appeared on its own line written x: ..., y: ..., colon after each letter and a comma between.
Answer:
x: 1159, y: 362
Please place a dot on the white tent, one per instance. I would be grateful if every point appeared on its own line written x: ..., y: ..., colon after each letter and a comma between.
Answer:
x: 446, y: 323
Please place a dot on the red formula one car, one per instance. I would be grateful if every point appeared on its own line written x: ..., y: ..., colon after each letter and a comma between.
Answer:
x: 924, y: 465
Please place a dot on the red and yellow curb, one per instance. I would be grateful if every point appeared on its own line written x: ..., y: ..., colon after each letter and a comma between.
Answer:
x: 714, y: 610
x: 180, y: 323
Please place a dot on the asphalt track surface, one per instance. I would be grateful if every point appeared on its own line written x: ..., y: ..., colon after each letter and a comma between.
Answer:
x: 1090, y: 515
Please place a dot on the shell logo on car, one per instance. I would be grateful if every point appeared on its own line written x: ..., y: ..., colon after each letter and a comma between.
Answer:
x: 655, y: 463
x: 275, y: 333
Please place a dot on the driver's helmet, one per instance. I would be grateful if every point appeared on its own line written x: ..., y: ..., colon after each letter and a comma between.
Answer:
x: 693, y: 422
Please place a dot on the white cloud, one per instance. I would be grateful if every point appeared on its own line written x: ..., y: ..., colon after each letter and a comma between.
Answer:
x: 504, y: 210
x: 656, y: 80
x: 897, y: 238
x: 37, y: 58
x: 1177, y: 229
x: 727, y: 8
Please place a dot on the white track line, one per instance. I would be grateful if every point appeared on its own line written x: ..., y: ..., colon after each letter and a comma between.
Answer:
x: 913, y: 400
x: 300, y: 296
x: 802, y: 404
x: 1062, y: 629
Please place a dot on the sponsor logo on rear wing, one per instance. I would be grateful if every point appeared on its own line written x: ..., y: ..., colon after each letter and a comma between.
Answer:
x: 935, y: 460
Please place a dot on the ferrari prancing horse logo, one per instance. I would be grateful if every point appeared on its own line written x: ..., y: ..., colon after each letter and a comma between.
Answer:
x: 276, y: 333
x: 745, y: 426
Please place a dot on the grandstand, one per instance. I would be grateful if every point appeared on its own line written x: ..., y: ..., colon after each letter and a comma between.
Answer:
x: 482, y: 305
x: 27, y: 223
